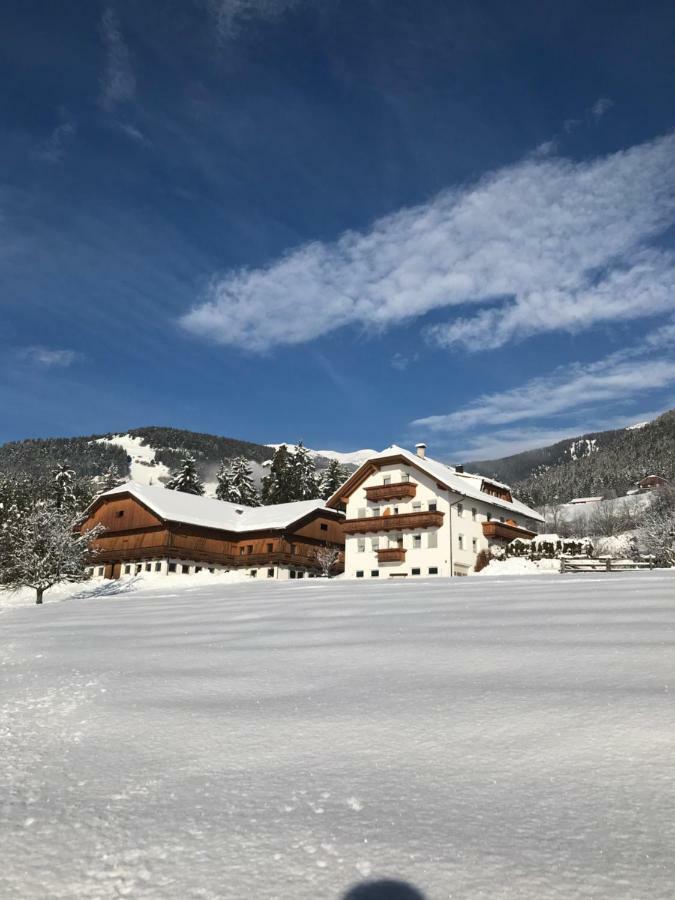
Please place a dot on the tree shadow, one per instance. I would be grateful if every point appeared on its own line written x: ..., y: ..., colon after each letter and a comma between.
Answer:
x: 108, y: 588
x: 386, y: 889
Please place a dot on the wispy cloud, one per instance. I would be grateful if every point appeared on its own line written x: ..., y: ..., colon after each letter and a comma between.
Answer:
x: 543, y: 245
x: 230, y: 16
x: 118, y: 83
x: 46, y: 357
x: 53, y: 150
x: 601, y: 106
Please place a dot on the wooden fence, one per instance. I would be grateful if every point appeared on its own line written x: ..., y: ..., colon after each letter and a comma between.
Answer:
x: 604, y: 564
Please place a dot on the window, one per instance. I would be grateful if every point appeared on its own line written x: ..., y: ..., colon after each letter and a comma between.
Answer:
x: 474, y: 513
x: 197, y: 569
x: 211, y: 570
x: 417, y: 541
x: 376, y: 510
x: 433, y: 570
x: 359, y: 574
x: 292, y: 573
x: 253, y: 573
x: 270, y: 548
x: 460, y: 541
x: 386, y: 479
x: 360, y: 513
x: 375, y: 573
x: 405, y: 478
x: 489, y: 517
x: 361, y: 545
x: 432, y: 506
x: 323, y: 526
x: 417, y: 506
x: 172, y: 567
x: 158, y: 567
x: 100, y: 570
x: 432, y: 540
x: 501, y: 518
x: 139, y: 567
x: 127, y: 570
x: 415, y: 571
x: 474, y: 545
x: 119, y: 513
x: 375, y: 543
x: 301, y: 574
x: 185, y: 570
x: 460, y: 509
x: 396, y: 510
x: 270, y: 573
x: 249, y: 548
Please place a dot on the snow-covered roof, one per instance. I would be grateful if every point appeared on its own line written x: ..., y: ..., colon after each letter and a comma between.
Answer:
x: 465, y: 483
x: 175, y: 506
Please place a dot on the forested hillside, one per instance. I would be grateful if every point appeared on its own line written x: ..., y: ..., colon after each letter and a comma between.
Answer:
x: 604, y: 463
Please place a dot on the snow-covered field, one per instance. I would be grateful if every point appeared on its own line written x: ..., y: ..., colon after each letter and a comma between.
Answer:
x: 482, y: 738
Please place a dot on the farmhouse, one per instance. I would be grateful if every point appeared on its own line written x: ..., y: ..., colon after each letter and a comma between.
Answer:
x: 151, y: 529
x: 408, y: 515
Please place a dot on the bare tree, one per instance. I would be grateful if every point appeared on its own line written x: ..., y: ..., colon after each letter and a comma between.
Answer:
x: 656, y: 534
x: 326, y: 557
x: 42, y: 547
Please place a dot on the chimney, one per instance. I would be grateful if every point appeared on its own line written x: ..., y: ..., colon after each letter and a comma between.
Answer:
x: 421, y: 450
x: 459, y: 470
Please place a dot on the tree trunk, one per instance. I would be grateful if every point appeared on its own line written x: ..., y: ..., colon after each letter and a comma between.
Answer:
x: 39, y: 592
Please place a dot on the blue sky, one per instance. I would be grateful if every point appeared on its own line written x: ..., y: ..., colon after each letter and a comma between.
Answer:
x: 351, y: 223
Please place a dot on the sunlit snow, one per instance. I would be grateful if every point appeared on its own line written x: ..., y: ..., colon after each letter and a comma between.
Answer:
x: 481, y: 738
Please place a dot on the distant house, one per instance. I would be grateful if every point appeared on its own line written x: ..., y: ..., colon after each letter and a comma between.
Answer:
x: 578, y: 500
x: 152, y: 529
x: 651, y: 482
x: 408, y: 515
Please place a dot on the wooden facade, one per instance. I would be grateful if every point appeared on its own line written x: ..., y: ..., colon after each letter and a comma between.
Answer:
x: 135, y: 535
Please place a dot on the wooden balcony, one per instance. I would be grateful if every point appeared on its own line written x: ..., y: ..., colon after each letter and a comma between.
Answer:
x: 391, y: 554
x: 398, y: 522
x: 248, y: 560
x: 402, y: 490
x: 503, y: 531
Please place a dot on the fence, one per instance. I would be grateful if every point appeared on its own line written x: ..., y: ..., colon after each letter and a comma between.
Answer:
x: 604, y: 564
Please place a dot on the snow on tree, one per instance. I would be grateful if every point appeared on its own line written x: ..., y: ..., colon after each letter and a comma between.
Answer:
x: 304, y: 485
x: 111, y: 478
x: 42, y: 548
x: 656, y: 535
x: 276, y: 486
x: 63, y: 491
x: 326, y: 557
x: 186, y: 479
x: 332, y: 478
x: 235, y: 483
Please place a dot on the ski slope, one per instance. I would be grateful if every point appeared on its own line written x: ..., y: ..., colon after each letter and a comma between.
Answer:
x: 481, y: 738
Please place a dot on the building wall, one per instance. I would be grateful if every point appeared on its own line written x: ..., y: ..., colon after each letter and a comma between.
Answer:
x: 458, y: 541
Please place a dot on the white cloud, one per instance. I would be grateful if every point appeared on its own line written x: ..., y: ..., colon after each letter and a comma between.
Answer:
x: 47, y: 357
x: 54, y: 148
x: 118, y: 84
x: 231, y: 15
x: 615, y: 379
x: 601, y: 106
x: 548, y: 244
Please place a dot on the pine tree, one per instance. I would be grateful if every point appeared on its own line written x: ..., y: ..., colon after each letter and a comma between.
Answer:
x: 41, y: 547
x: 276, y: 486
x: 186, y: 479
x: 63, y: 491
x: 304, y: 485
x: 332, y: 478
x: 111, y: 478
x: 241, y: 480
x: 223, y: 488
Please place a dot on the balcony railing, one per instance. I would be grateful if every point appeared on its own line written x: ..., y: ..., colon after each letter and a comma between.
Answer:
x: 503, y: 531
x: 391, y: 554
x: 165, y: 551
x: 397, y: 522
x: 400, y: 491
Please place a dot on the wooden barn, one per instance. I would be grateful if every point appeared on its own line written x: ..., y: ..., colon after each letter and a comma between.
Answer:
x: 151, y: 529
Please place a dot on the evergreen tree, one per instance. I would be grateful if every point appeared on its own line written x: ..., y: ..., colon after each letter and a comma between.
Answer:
x: 223, y: 488
x: 276, y: 486
x: 241, y: 480
x: 111, y: 478
x: 332, y: 478
x: 304, y: 485
x: 63, y: 491
x: 186, y: 479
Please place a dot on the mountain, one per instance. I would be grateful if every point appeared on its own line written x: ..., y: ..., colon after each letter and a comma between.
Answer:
x: 598, y: 463
x: 147, y: 455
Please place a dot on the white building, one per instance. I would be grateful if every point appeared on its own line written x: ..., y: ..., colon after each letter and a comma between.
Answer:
x: 408, y: 515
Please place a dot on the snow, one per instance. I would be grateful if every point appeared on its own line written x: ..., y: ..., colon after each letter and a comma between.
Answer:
x: 351, y: 458
x: 143, y: 467
x: 176, y: 506
x: 285, y: 740
x: 637, y: 426
x: 520, y: 565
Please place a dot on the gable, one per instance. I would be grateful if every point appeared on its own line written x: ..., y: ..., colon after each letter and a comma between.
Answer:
x: 120, y: 513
